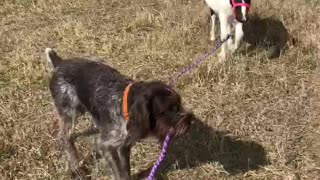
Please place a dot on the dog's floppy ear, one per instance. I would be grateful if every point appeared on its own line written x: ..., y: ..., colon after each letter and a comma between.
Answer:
x: 139, y: 115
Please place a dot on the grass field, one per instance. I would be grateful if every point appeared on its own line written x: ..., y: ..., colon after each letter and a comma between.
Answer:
x: 259, y: 117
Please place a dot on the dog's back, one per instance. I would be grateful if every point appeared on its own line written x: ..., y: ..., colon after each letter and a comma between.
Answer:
x: 76, y: 83
x: 82, y: 71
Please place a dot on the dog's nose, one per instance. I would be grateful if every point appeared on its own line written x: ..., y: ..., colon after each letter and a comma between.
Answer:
x: 243, y: 20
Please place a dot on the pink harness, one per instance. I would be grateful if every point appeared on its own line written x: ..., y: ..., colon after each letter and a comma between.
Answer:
x: 234, y: 5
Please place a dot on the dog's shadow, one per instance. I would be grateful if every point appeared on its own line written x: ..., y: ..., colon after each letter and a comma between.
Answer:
x: 203, y: 145
x: 268, y: 33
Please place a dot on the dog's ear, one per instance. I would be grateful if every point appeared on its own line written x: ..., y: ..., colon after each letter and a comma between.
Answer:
x: 140, y: 115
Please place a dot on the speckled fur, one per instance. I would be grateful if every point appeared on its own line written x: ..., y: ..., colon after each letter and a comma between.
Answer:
x: 80, y: 85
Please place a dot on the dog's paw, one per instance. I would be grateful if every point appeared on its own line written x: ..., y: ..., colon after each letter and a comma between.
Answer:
x: 222, y: 56
x: 212, y: 37
x: 232, y: 48
x: 142, y: 175
x: 80, y: 174
x: 77, y: 174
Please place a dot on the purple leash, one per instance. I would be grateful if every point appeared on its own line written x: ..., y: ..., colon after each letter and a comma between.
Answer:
x: 160, y: 159
x: 199, y: 60
x: 184, y: 71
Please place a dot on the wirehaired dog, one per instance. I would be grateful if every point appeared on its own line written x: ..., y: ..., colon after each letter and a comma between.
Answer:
x: 123, y: 112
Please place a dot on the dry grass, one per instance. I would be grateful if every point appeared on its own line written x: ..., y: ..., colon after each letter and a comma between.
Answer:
x: 259, y: 117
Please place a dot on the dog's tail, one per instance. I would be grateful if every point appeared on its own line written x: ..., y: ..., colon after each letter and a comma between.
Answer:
x: 52, y: 58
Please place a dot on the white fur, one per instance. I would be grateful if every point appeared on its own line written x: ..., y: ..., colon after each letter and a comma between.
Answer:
x: 223, y: 10
x: 50, y: 65
x: 47, y: 51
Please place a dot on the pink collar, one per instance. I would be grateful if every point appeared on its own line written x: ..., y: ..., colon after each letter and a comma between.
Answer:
x: 234, y: 5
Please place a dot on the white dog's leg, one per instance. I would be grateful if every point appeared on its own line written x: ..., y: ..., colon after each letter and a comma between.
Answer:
x: 238, y: 36
x: 225, y: 30
x: 213, y: 24
x: 230, y: 25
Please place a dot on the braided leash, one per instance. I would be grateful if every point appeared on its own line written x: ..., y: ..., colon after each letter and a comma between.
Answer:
x: 198, y: 60
x: 161, y: 158
x: 171, y: 83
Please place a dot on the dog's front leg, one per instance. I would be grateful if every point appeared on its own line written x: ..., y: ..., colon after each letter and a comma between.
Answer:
x: 238, y: 36
x: 225, y: 30
x: 118, y: 158
x: 124, y: 154
x: 213, y: 25
x: 111, y: 156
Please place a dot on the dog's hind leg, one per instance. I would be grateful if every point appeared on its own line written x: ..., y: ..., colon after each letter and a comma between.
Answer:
x: 69, y: 108
x: 66, y: 122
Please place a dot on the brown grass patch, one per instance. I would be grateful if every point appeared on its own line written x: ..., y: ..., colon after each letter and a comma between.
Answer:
x: 257, y: 119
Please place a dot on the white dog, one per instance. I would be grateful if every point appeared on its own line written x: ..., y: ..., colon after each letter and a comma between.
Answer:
x: 230, y: 13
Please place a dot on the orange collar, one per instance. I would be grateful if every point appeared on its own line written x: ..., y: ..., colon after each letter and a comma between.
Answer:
x: 125, y: 103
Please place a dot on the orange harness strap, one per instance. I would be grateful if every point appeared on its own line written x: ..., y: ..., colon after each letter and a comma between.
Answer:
x: 125, y: 103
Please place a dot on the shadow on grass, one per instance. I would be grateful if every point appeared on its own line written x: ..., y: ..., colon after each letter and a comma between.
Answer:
x: 203, y: 144
x: 266, y: 33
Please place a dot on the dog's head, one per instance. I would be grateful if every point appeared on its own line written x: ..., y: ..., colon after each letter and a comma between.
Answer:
x: 158, y: 109
x: 241, y: 9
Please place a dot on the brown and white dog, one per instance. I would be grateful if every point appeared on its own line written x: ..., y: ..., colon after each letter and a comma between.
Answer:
x: 123, y: 112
